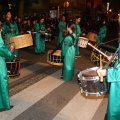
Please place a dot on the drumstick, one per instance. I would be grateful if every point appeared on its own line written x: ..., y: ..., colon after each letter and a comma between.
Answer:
x: 98, y: 50
x: 101, y: 76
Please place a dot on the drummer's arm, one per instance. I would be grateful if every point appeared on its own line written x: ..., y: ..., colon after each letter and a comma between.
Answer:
x: 113, y: 75
x: 37, y: 28
x: 5, y: 29
x: 4, y: 52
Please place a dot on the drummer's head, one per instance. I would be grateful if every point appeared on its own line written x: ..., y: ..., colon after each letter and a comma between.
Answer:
x: 70, y: 27
x: 63, y: 18
x: 41, y: 19
x: 78, y: 19
x: 8, y: 15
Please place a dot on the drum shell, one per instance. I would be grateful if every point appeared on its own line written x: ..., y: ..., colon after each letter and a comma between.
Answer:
x: 21, y: 41
x: 45, y: 36
x: 13, y: 67
x: 106, y: 49
x: 82, y: 42
x: 91, y: 85
x: 92, y: 36
x: 55, y: 58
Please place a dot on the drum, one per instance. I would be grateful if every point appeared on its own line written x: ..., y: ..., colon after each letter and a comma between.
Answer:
x: 55, y: 58
x: 92, y: 36
x: 21, y: 41
x: 90, y: 83
x: 48, y: 37
x: 13, y: 67
x: 82, y: 42
x: 95, y: 55
x: 45, y: 36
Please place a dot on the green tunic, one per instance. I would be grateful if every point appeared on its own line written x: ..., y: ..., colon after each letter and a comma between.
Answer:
x: 77, y: 31
x: 114, y: 96
x: 61, y: 26
x: 4, y: 95
x: 39, y: 43
x: 8, y: 34
x: 68, y: 52
x: 101, y: 34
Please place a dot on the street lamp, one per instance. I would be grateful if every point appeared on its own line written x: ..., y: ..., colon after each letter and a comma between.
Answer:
x: 108, y: 5
x: 66, y: 4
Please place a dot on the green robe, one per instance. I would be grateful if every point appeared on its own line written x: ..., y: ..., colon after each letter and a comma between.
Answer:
x: 68, y: 52
x: 101, y: 34
x: 77, y: 31
x: 8, y: 34
x: 4, y: 95
x: 114, y: 96
x: 39, y: 43
x: 61, y: 26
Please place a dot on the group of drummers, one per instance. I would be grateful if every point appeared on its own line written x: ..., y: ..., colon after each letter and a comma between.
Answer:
x: 70, y: 49
x: 69, y: 35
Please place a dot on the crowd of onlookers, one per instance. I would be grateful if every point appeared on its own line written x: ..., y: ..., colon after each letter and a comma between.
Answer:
x: 87, y: 23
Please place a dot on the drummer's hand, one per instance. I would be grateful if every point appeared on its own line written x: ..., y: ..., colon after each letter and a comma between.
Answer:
x: 15, y: 58
x: 101, y: 71
x: 84, y: 34
x: 12, y: 30
x: 109, y: 57
x: 48, y: 29
x: 40, y: 31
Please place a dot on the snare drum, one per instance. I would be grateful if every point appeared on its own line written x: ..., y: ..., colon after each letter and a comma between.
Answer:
x: 13, y: 67
x: 90, y: 84
x: 48, y: 37
x: 92, y: 36
x: 82, y: 42
x: 55, y: 58
x: 45, y: 36
x: 21, y: 41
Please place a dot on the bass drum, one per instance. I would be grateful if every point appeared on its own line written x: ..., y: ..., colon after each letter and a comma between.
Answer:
x: 21, y: 41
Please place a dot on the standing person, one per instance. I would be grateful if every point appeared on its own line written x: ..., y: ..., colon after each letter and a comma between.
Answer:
x: 68, y: 53
x: 4, y: 95
x: 40, y: 42
x: 10, y: 29
x: 102, y: 32
x: 113, y: 77
x: 62, y: 28
x: 78, y: 33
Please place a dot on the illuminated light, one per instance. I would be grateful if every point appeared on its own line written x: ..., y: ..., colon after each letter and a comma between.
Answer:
x: 66, y: 4
x: 110, y: 10
x: 108, y: 5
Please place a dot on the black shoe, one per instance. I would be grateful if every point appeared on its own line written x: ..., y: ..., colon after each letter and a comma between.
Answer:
x: 105, y: 118
x: 61, y: 77
x: 4, y: 109
x: 11, y: 106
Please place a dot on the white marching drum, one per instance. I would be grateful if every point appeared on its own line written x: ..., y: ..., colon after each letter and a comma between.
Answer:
x: 82, y: 42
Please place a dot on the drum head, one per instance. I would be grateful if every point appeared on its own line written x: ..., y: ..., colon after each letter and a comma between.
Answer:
x: 90, y: 73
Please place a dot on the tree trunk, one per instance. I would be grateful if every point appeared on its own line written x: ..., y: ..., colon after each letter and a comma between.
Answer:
x: 21, y: 8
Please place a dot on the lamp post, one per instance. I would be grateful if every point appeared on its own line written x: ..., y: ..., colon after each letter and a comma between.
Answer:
x: 108, y: 5
x: 66, y: 4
